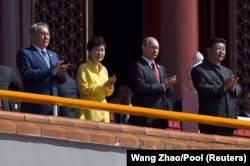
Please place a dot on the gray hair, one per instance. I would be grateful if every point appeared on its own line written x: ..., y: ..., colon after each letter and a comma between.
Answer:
x: 33, y: 28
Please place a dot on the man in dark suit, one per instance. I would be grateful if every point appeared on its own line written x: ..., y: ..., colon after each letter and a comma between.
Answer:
x: 9, y: 81
x: 216, y: 86
x: 151, y: 85
x: 68, y: 89
x: 40, y: 69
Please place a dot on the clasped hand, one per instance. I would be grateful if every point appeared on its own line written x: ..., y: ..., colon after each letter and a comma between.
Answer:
x: 170, y: 81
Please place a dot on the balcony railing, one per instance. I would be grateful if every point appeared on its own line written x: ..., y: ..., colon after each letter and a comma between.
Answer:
x: 122, y: 109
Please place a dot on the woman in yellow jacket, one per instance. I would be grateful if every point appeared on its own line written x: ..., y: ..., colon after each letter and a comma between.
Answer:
x: 93, y: 81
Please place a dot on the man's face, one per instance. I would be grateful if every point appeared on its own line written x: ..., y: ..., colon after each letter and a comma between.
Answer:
x: 217, y: 53
x: 151, y: 50
x: 124, y: 95
x: 41, y: 37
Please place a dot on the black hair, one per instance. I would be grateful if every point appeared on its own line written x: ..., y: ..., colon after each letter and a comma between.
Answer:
x: 96, y: 41
x: 244, y: 93
x: 216, y: 40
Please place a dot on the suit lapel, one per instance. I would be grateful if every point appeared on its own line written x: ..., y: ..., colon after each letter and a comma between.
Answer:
x: 149, y: 70
x: 50, y: 57
x: 40, y: 58
x: 36, y: 54
x: 159, y: 70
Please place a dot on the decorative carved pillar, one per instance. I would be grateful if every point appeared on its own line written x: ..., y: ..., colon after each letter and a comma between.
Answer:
x: 68, y: 28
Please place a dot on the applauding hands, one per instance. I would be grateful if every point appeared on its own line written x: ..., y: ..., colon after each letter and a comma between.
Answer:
x: 231, y: 82
x: 170, y: 81
x: 59, y: 67
x: 110, y: 82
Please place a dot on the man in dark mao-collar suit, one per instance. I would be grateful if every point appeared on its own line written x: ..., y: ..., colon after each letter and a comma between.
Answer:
x: 216, y: 86
x: 9, y: 81
x: 150, y: 90
x: 40, y: 69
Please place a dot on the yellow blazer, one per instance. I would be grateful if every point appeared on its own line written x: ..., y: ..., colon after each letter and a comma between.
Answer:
x: 90, y: 84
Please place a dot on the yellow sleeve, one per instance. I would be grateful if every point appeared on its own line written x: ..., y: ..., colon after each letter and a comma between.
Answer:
x: 87, y: 82
x: 108, y: 90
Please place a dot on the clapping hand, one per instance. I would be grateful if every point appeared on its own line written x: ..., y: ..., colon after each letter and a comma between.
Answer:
x: 231, y: 82
x: 59, y: 67
x: 170, y: 81
x: 110, y: 81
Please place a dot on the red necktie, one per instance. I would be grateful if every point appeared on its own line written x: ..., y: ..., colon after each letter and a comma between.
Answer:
x: 155, y: 72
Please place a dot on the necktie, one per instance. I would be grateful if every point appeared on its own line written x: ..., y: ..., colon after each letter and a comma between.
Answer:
x: 156, y: 73
x: 45, y: 57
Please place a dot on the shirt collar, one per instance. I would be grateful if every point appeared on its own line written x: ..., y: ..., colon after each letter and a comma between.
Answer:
x: 39, y: 49
x: 147, y: 60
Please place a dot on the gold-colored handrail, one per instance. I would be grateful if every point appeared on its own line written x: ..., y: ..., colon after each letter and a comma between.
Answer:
x: 117, y: 108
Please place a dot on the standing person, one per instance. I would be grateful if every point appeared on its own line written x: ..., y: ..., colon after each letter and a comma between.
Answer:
x: 68, y: 89
x: 124, y: 95
x: 93, y: 81
x: 151, y: 85
x: 216, y: 86
x: 9, y: 81
x: 245, y: 104
x: 40, y: 68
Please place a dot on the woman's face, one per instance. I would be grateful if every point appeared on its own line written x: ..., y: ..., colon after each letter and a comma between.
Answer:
x: 97, y: 54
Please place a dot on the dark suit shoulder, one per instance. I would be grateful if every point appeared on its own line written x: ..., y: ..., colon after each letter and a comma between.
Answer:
x: 30, y: 48
x: 51, y: 52
x: 140, y: 61
x: 5, y: 69
x: 225, y: 68
x: 27, y: 50
x: 137, y: 63
x: 160, y: 66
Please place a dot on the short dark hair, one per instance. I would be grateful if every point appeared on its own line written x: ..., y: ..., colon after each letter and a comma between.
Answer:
x: 216, y: 40
x: 96, y: 41
x: 243, y: 93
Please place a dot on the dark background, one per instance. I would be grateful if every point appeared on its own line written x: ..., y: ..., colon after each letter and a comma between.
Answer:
x: 120, y: 23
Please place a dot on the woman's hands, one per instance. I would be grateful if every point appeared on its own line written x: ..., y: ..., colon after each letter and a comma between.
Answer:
x: 110, y: 82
